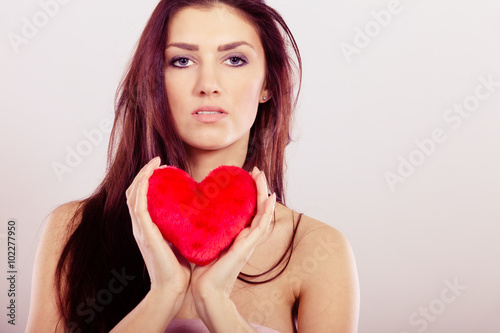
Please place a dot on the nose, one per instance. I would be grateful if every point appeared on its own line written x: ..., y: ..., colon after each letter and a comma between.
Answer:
x: 207, y: 83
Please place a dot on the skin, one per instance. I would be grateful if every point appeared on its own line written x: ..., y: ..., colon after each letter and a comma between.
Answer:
x: 321, y: 276
x: 206, y: 65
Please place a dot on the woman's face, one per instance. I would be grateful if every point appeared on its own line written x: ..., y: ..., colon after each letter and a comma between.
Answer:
x: 214, y: 76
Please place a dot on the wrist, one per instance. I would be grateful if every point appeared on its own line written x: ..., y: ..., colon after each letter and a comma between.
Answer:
x: 204, y: 295
x: 220, y: 314
x: 168, y: 300
x: 169, y: 291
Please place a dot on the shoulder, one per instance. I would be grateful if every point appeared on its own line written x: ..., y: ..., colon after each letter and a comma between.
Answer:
x: 61, y: 222
x: 322, y: 249
x: 315, y: 238
x: 314, y: 235
x: 324, y: 278
x: 58, y: 226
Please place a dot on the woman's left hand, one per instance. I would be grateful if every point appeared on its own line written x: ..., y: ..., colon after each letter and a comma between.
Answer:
x: 211, y: 285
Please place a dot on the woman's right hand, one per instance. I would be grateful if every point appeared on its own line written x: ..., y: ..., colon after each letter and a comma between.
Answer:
x: 168, y: 270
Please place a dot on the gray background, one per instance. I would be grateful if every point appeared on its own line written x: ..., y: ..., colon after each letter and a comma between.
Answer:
x: 358, y: 116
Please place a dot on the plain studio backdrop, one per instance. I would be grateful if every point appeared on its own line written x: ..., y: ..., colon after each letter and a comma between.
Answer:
x: 397, y: 142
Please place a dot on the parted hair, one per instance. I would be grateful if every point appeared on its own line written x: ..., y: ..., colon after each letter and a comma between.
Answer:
x: 101, y: 275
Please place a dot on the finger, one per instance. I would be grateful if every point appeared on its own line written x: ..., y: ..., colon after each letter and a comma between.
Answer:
x: 249, y: 238
x: 261, y: 222
x: 151, y: 237
x: 132, y: 192
x: 254, y: 171
x: 261, y: 184
x: 262, y: 198
x: 131, y: 189
x: 232, y: 260
x: 141, y: 205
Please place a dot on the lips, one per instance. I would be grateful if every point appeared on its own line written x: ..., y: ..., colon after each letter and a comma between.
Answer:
x: 209, y: 114
x: 209, y: 109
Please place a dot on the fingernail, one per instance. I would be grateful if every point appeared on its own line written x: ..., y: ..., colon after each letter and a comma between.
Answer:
x: 153, y: 161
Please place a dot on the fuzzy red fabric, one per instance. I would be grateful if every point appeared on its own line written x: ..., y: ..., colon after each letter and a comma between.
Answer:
x: 201, y: 219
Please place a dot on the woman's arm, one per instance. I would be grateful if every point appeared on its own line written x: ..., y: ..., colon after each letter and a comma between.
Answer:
x: 329, y: 292
x: 152, y: 314
x: 44, y: 314
x: 169, y: 274
x: 211, y: 285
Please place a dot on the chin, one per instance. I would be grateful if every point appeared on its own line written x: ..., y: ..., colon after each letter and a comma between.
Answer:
x: 209, y: 144
x: 217, y: 140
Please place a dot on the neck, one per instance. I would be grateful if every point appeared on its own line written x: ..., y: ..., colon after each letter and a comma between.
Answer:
x: 201, y: 161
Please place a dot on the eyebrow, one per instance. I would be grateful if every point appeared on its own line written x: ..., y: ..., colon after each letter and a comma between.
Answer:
x: 230, y: 46
x: 221, y: 48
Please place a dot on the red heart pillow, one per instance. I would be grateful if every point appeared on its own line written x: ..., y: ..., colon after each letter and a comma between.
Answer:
x: 201, y: 219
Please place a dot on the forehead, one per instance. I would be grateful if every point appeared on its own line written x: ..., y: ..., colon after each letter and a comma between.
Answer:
x: 214, y: 25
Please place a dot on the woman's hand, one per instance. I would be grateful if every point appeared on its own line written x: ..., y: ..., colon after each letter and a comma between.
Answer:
x: 168, y: 270
x: 211, y: 285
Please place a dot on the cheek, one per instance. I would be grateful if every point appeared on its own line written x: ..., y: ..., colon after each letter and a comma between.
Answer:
x: 172, y: 92
x: 248, y: 94
x: 248, y: 89
x: 174, y: 97
x: 174, y: 105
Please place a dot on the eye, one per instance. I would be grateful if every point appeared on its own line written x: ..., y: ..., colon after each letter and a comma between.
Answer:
x: 181, y: 62
x: 236, y: 61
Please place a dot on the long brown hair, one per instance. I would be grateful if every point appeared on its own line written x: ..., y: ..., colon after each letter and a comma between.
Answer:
x: 101, y: 275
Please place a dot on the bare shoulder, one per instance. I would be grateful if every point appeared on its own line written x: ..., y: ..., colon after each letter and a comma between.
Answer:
x: 61, y: 221
x: 325, y: 278
x: 325, y: 252
x: 57, y: 228
x: 313, y: 234
x: 44, y: 315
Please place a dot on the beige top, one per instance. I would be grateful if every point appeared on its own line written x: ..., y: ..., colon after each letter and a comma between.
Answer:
x: 196, y: 326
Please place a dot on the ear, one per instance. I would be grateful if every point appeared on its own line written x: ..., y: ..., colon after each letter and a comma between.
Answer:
x: 265, y: 96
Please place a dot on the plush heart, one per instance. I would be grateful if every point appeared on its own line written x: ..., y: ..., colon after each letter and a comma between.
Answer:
x: 201, y: 219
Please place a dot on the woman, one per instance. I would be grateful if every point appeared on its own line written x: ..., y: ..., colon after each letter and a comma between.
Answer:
x: 210, y: 84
